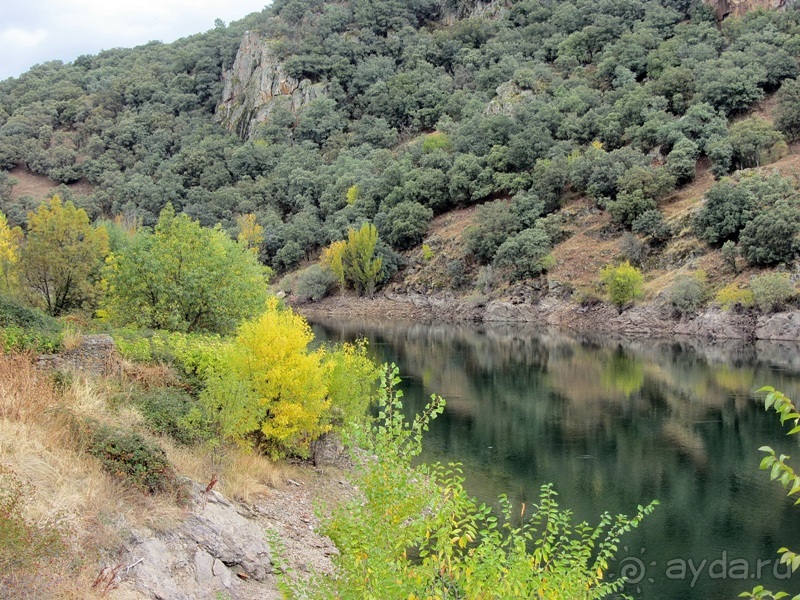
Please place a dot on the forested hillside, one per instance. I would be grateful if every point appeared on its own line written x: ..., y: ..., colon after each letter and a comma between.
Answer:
x: 409, y: 110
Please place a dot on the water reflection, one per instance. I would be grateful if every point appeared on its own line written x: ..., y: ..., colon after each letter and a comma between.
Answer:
x: 613, y: 423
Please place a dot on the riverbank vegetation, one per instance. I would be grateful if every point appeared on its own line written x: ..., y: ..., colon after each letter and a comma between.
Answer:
x: 205, y: 396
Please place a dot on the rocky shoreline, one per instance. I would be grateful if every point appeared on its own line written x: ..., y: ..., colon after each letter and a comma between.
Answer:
x: 645, y: 320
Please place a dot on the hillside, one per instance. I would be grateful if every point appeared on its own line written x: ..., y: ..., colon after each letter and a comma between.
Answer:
x: 517, y: 140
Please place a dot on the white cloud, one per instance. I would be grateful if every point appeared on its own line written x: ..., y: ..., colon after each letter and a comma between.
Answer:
x: 75, y: 27
x: 22, y: 37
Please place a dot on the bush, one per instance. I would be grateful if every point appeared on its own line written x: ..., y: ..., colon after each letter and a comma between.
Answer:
x: 628, y: 207
x: 682, y: 160
x: 633, y: 249
x: 733, y: 297
x: 165, y: 412
x: 23, y: 328
x: 726, y: 210
x: 456, y: 272
x: 623, y: 283
x: 771, y: 237
x: 492, y: 224
x: 525, y: 254
x: 271, y: 389
x: 314, y: 283
x: 128, y: 456
x: 688, y: 294
x: 462, y: 550
x: 652, y: 225
x: 751, y: 140
x: 771, y: 291
x: 406, y: 224
x: 787, y: 117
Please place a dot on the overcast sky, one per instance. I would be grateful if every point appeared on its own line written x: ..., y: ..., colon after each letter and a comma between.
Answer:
x: 35, y: 31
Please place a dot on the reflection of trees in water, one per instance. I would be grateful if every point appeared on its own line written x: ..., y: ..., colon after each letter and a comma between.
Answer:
x: 611, y: 422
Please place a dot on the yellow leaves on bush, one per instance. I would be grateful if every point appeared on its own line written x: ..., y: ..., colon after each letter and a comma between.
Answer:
x: 269, y: 388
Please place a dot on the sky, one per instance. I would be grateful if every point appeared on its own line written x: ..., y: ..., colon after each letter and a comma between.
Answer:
x: 36, y: 31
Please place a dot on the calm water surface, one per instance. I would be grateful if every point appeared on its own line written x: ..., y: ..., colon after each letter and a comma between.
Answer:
x: 614, y: 423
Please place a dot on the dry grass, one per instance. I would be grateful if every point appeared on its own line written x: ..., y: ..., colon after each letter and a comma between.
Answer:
x: 242, y: 475
x: 150, y: 375
x: 38, y: 442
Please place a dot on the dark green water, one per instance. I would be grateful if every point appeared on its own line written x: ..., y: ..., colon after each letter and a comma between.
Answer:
x: 615, y: 423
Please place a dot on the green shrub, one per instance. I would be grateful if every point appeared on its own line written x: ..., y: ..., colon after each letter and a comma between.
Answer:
x: 525, y: 254
x: 732, y: 297
x: 314, y: 283
x: 406, y: 224
x: 460, y: 548
x: 629, y: 206
x: 771, y: 291
x: 23, y: 328
x: 726, y: 210
x: 492, y: 224
x: 165, y: 412
x: 682, y: 160
x: 456, y: 273
x: 688, y: 294
x: 130, y: 457
x: 771, y: 237
x: 623, y: 283
x: 652, y: 225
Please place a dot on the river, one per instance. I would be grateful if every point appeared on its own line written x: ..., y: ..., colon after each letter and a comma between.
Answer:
x: 614, y: 423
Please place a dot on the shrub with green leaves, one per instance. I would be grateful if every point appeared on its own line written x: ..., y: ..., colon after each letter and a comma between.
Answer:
x: 623, y: 283
x: 688, y: 294
x: 771, y: 237
x: 771, y: 291
x: 127, y: 455
x: 23, y: 328
x: 653, y: 226
x: 314, y: 283
x: 414, y: 531
x: 781, y: 471
x: 406, y: 224
x: 526, y: 254
x: 165, y: 412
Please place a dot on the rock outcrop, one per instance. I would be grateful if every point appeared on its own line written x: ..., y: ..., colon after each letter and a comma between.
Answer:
x: 215, y: 552
x: 257, y: 84
x: 737, y: 8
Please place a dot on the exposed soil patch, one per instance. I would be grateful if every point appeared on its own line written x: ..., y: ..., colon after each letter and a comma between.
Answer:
x: 41, y: 187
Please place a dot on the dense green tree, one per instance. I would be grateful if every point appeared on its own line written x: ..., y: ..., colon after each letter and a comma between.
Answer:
x: 751, y: 140
x: 787, y: 118
x: 492, y: 224
x: 682, y: 160
x: 406, y: 224
x: 525, y: 254
x: 772, y: 236
x: 60, y: 259
x: 184, y: 277
x: 727, y: 208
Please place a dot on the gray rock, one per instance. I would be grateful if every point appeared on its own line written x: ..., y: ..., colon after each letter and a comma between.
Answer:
x: 780, y: 326
x: 257, y: 84
x: 194, y: 559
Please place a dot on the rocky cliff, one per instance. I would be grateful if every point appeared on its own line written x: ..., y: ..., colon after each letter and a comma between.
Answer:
x: 257, y: 84
x: 737, y: 8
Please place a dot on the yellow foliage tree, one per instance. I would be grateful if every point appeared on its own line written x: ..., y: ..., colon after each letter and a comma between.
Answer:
x: 332, y: 258
x: 61, y: 257
x: 269, y: 388
x: 251, y: 234
x: 10, y: 239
